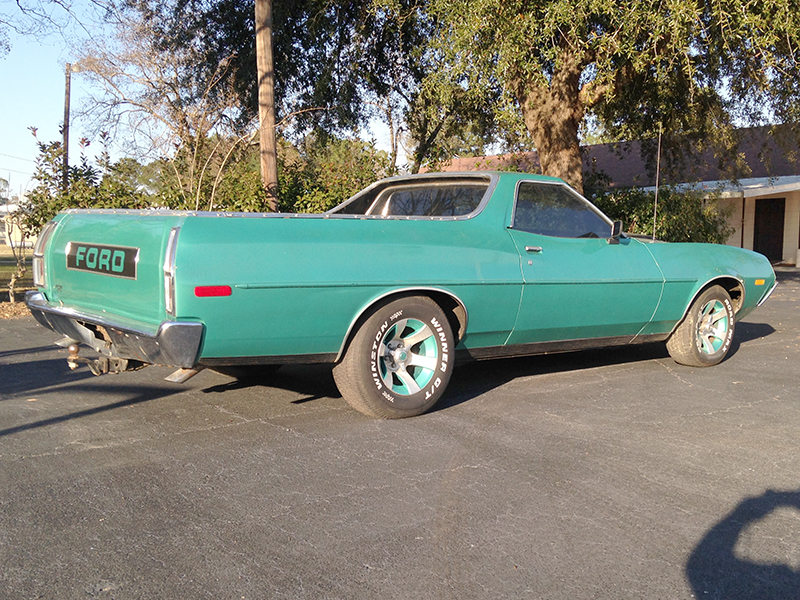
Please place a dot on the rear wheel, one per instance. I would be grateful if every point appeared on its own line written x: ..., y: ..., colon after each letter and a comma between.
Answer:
x: 399, y: 361
x: 704, y: 336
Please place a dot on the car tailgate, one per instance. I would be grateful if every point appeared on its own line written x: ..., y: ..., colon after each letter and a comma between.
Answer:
x: 110, y: 262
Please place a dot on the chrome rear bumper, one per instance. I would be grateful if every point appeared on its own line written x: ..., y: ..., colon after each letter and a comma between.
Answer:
x: 172, y: 343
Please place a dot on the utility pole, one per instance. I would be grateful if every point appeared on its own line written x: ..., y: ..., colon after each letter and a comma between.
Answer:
x: 266, y: 102
x: 65, y: 163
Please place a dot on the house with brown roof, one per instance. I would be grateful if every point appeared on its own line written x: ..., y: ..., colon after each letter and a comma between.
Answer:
x: 757, y: 183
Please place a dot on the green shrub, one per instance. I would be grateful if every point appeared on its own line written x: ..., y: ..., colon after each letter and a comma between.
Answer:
x: 683, y: 216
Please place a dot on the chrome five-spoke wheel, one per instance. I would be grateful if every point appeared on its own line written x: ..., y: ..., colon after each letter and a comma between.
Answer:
x: 712, y: 331
x: 408, y: 356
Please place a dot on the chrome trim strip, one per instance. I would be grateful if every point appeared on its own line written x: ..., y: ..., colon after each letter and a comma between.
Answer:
x: 366, y: 284
x: 539, y: 348
x: 37, y: 263
x: 288, y: 359
x: 492, y: 179
x: 768, y: 294
x: 248, y: 215
x: 169, y: 271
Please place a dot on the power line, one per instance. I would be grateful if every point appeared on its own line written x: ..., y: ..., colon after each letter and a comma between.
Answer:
x: 17, y: 157
x: 4, y: 170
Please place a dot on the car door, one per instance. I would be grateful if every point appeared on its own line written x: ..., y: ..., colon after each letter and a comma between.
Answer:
x: 578, y: 284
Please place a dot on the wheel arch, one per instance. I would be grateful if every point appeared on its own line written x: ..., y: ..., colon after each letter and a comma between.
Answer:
x: 736, y: 290
x: 450, y: 304
x: 733, y: 285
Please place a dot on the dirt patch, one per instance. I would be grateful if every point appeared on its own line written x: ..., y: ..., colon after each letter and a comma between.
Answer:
x: 13, y: 311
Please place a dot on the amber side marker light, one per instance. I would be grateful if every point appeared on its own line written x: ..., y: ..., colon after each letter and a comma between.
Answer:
x: 210, y: 291
x: 760, y: 281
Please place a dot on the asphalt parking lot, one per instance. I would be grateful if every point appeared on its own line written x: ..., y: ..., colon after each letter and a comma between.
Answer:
x: 603, y: 474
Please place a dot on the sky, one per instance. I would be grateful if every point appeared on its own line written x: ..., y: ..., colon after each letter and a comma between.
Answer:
x: 32, y: 82
x: 32, y: 77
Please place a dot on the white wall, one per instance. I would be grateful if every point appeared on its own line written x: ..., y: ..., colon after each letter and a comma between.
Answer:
x: 791, y: 228
x: 733, y: 206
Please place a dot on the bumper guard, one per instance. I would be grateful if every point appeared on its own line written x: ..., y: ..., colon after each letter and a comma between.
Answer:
x: 172, y: 343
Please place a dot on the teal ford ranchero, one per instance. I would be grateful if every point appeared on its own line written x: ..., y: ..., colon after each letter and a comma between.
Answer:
x: 393, y: 286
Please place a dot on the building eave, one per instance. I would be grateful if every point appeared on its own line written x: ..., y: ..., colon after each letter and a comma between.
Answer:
x: 743, y: 188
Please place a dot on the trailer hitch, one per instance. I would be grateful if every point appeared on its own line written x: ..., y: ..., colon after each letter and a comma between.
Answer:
x: 101, y: 365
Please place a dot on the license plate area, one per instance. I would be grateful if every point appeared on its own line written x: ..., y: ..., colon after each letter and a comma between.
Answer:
x: 114, y: 261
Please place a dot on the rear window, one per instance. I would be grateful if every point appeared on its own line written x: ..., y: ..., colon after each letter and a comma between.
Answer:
x: 448, y: 198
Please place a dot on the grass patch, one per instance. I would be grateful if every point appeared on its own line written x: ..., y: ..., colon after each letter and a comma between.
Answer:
x: 8, y: 268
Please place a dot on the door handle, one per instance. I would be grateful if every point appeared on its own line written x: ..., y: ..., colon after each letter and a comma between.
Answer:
x: 533, y: 249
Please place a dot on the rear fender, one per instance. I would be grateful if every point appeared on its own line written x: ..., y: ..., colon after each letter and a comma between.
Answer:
x: 452, y: 305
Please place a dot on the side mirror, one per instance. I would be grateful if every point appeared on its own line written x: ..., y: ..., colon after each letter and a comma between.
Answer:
x: 616, y: 232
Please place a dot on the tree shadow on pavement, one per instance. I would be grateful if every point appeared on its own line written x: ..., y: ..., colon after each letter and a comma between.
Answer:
x: 36, y: 375
x: 788, y: 276
x: 22, y: 351
x: 716, y: 572
x: 139, y: 393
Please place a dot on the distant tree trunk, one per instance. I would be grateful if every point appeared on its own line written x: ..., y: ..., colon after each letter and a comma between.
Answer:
x: 266, y: 102
x: 425, y: 144
x: 394, y: 133
x: 18, y: 250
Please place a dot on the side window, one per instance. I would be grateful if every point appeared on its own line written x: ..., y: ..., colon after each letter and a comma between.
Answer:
x: 432, y: 198
x: 554, y: 210
x: 431, y: 201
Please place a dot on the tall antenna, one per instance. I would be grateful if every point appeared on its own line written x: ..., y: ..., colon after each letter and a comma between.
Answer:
x: 658, y: 172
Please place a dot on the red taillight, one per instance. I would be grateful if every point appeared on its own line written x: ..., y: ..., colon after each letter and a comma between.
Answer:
x: 209, y: 291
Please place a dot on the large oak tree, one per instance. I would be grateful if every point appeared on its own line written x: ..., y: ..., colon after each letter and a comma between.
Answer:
x: 689, y: 66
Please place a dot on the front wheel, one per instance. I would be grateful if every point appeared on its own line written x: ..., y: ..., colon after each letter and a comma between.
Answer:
x: 704, y: 336
x: 399, y: 361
